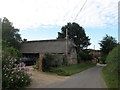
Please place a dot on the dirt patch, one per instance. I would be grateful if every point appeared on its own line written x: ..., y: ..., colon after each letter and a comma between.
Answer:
x: 41, y: 79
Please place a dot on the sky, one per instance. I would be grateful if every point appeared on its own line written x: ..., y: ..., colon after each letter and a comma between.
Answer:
x: 43, y: 19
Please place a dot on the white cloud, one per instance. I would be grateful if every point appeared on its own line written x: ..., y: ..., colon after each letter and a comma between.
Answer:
x: 33, y: 13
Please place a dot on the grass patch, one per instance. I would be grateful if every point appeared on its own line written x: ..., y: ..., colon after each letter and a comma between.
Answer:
x: 111, y: 78
x: 72, y: 69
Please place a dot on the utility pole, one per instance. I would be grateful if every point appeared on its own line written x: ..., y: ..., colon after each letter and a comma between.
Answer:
x: 94, y: 47
x: 66, y: 43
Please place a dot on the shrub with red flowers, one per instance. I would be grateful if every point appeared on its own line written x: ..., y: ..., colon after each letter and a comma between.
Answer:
x: 14, y: 74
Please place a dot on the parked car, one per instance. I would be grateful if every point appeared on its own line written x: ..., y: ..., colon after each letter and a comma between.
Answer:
x: 28, y: 61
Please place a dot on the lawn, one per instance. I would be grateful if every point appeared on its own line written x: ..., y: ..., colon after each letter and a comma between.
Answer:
x: 111, y: 78
x: 72, y: 69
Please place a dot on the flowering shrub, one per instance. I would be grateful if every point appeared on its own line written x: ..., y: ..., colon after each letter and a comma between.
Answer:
x: 36, y: 66
x: 14, y: 74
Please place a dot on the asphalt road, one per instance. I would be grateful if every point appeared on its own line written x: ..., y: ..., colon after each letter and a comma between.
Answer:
x: 90, y: 78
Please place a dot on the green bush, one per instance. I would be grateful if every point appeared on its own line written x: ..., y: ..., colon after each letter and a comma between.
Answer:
x: 47, y: 62
x: 82, y: 56
x: 103, y: 58
x: 111, y: 71
x: 9, y: 51
x: 56, y: 61
x: 59, y: 71
x: 113, y: 60
x: 64, y: 61
x: 14, y: 75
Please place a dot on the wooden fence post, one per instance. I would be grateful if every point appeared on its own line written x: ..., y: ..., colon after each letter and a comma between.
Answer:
x: 40, y: 62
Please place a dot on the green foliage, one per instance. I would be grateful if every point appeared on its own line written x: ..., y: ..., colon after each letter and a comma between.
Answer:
x: 76, y: 34
x: 56, y: 61
x: 10, y: 34
x: 36, y: 66
x: 48, y: 61
x: 12, y: 52
x: 110, y: 72
x: 107, y: 44
x: 71, y: 69
x: 103, y: 58
x: 83, y: 56
x: 110, y: 78
x: 14, y: 74
x: 9, y: 51
x: 64, y: 61
x: 113, y: 60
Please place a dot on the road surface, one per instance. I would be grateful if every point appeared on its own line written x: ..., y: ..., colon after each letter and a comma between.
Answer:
x: 90, y: 78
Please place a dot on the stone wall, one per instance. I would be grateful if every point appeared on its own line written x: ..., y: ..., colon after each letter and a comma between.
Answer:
x: 72, y: 58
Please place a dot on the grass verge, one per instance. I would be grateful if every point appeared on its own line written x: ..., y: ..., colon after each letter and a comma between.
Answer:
x: 111, y: 78
x: 72, y: 69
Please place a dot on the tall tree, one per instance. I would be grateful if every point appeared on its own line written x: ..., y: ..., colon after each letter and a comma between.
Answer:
x: 0, y: 29
x: 107, y: 44
x: 76, y: 34
x: 10, y: 34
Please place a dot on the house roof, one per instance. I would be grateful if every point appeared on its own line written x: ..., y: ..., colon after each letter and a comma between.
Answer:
x: 42, y: 46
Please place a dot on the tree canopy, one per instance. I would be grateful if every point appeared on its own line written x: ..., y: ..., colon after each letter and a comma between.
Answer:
x: 107, y: 44
x: 76, y: 33
x: 10, y: 34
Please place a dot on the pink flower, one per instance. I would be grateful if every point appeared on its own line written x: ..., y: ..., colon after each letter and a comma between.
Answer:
x: 15, y: 60
x: 9, y: 65
x: 18, y: 77
x: 14, y: 68
x: 5, y: 66
x: 11, y: 79
x: 30, y: 77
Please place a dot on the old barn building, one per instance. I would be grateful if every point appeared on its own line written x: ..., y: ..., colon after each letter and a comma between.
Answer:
x: 33, y: 49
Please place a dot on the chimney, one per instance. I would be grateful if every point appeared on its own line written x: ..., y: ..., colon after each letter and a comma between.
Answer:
x: 24, y: 40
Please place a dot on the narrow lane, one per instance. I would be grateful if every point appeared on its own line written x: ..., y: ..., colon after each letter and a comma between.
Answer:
x: 90, y: 78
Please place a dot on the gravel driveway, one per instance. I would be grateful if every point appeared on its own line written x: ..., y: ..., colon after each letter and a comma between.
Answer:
x: 41, y: 79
